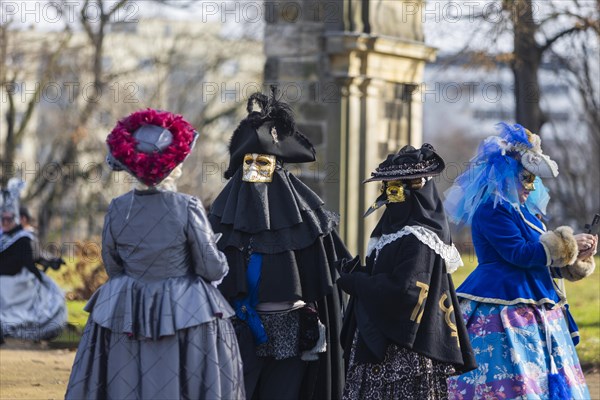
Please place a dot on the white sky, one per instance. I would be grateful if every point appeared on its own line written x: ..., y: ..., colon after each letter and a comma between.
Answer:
x: 447, y: 23
x: 449, y: 26
x: 53, y: 15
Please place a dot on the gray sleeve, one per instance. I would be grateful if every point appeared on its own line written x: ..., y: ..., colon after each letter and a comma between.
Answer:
x: 208, y: 261
x: 110, y: 257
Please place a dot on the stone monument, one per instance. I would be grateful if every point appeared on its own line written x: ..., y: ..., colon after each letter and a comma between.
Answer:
x: 350, y: 68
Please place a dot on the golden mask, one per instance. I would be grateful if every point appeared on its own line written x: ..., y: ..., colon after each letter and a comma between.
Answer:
x: 394, y: 191
x: 527, y: 180
x: 258, y: 167
x: 529, y: 135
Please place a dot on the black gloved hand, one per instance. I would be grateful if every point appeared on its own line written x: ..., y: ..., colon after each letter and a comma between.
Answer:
x: 350, y: 266
x: 346, y: 282
x: 53, y: 263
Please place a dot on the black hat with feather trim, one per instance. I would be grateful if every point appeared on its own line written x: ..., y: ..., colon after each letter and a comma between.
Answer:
x: 269, y: 128
x: 409, y: 163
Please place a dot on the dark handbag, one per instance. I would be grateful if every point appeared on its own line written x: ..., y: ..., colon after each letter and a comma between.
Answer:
x: 309, y: 328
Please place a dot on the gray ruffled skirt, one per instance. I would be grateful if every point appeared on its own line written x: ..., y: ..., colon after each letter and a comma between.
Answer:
x: 201, y: 362
x: 31, y: 309
x: 125, y: 357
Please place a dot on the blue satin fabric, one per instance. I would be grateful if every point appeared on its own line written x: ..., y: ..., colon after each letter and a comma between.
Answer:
x: 245, y: 309
x: 512, y: 261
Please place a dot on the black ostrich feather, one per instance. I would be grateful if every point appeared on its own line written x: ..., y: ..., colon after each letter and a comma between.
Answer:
x: 262, y: 108
x: 269, y: 109
x: 234, y: 142
x: 256, y: 103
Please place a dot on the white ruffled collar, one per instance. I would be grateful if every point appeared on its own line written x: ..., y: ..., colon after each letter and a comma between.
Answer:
x: 449, y: 253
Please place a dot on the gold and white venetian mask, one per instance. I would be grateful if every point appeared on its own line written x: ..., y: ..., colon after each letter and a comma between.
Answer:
x: 258, y: 167
x: 527, y: 180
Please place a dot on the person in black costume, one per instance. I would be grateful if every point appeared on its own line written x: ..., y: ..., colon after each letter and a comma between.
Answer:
x: 32, y: 306
x: 46, y: 261
x: 19, y: 254
x: 403, y: 334
x: 282, y: 250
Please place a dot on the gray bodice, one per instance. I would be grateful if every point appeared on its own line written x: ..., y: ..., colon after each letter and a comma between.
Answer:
x: 152, y: 235
x: 161, y: 255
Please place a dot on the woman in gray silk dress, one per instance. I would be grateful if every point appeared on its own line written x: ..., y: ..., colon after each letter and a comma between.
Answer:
x: 159, y: 328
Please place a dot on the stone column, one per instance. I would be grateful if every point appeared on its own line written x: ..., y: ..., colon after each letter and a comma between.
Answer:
x: 350, y: 68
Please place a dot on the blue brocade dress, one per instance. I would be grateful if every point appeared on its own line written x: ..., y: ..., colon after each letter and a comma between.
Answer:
x: 517, y: 318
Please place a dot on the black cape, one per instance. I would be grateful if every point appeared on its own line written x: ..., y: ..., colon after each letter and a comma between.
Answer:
x: 286, y: 222
x: 388, y: 297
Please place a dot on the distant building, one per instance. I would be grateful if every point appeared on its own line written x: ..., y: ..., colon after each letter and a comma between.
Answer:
x: 458, y: 95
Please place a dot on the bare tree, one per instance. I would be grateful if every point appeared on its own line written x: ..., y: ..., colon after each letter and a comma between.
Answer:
x: 542, y: 33
x: 13, y: 73
x: 579, y: 186
x: 536, y: 29
x: 167, y: 73
x: 64, y: 149
x: 529, y: 51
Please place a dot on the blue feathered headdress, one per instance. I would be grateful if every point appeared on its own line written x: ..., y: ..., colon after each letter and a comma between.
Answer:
x: 493, y: 175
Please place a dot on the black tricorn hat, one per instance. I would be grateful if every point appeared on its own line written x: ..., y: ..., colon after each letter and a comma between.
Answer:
x: 269, y: 128
x: 409, y: 163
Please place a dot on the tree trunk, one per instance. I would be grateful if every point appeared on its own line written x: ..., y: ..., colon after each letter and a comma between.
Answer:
x: 7, y: 158
x: 525, y: 66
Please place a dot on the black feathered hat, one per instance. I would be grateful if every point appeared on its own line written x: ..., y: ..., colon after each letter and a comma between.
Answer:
x: 269, y: 128
x: 409, y: 163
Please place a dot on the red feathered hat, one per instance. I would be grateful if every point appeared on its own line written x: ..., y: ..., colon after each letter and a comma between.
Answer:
x: 149, y: 144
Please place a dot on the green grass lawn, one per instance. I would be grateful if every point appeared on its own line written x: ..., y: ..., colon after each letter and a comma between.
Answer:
x: 69, y: 338
x: 584, y: 300
x: 77, y: 316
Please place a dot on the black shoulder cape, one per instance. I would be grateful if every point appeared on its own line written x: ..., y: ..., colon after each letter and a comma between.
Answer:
x: 286, y: 222
x: 18, y: 255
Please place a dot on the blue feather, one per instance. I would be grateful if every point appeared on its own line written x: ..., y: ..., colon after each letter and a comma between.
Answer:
x: 513, y: 134
x: 493, y: 176
x: 558, y: 388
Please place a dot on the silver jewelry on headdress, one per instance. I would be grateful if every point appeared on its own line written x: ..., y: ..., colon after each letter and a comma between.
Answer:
x: 533, y: 159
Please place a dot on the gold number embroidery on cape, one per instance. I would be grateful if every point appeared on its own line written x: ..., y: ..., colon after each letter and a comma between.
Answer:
x: 448, y: 311
x: 420, y: 307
